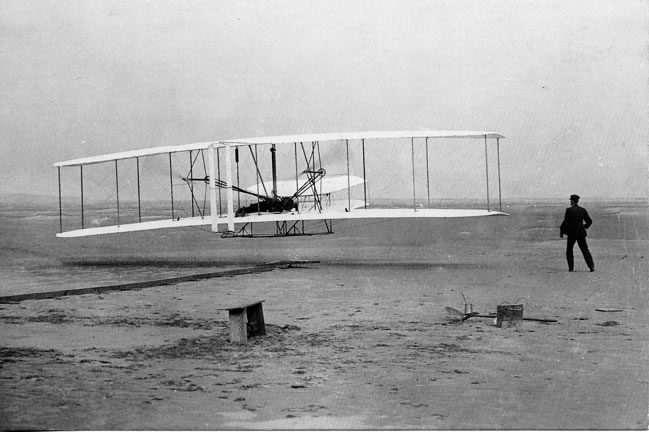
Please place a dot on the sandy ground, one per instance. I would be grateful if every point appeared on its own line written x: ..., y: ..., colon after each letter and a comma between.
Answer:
x: 362, y: 342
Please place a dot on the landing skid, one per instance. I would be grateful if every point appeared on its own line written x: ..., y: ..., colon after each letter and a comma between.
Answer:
x: 282, y: 229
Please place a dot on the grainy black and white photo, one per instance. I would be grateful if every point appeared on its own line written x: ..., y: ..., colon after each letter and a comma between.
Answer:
x: 324, y: 215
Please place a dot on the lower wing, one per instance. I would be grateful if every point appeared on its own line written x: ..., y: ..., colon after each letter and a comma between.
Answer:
x: 338, y: 212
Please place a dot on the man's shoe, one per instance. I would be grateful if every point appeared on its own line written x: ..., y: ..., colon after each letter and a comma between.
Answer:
x: 570, y: 270
x: 593, y: 269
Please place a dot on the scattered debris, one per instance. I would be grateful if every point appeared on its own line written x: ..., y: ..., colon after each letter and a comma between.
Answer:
x: 509, y: 313
x: 466, y: 316
x: 609, y: 324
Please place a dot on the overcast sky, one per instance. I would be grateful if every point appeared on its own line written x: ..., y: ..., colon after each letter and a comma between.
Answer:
x: 565, y: 81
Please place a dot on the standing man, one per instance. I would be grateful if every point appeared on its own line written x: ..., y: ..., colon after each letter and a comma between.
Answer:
x: 574, y: 225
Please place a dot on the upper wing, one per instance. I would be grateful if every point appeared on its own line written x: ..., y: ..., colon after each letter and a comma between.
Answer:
x: 136, y: 153
x: 368, y: 135
x: 283, y: 139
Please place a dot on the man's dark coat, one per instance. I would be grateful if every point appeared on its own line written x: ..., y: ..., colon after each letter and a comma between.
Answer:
x: 573, y: 222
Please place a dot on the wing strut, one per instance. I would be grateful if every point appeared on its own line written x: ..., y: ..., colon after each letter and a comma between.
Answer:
x: 319, y: 161
x: 486, y: 160
x: 171, y: 188
x: 414, y: 192
x: 274, y: 168
x: 427, y: 174
x: 60, y: 205
x: 139, y: 201
x: 213, y: 214
x: 259, y: 179
x: 191, y: 185
x: 297, y: 182
x: 349, y: 187
x: 218, y: 168
x: 364, y: 176
x: 81, y: 175
x: 236, y: 162
x: 117, y: 191
x: 500, y: 199
x: 228, y: 179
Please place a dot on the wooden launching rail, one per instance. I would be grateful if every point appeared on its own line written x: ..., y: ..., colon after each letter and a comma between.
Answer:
x: 150, y: 283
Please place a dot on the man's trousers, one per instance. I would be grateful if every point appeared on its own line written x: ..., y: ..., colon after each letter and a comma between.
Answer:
x: 583, y: 246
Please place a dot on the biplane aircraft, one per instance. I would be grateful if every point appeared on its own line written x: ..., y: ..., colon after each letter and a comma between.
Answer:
x: 282, y: 182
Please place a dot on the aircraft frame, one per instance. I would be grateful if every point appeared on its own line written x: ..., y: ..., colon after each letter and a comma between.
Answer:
x: 308, y: 202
